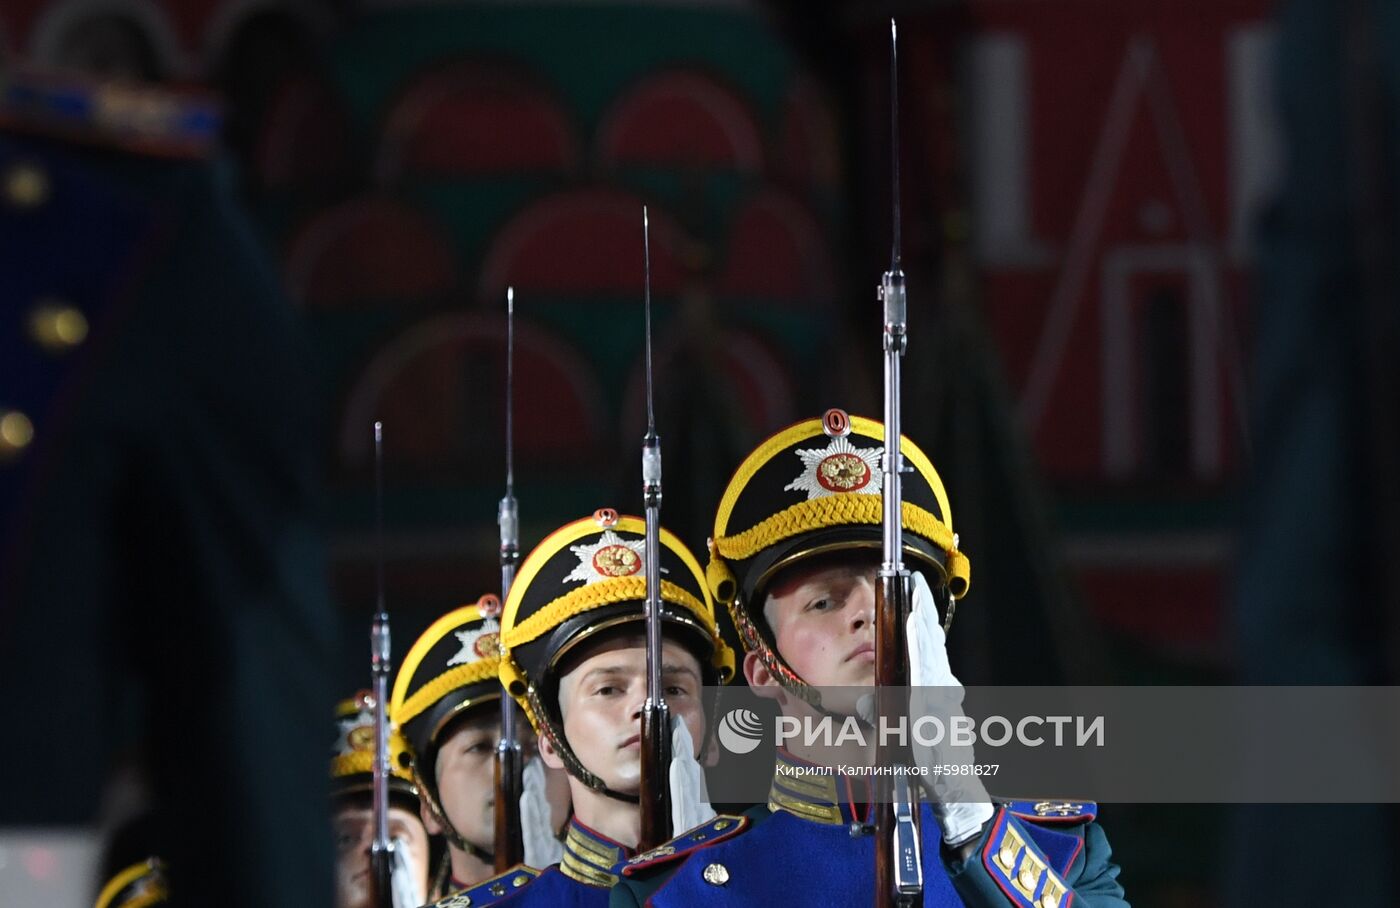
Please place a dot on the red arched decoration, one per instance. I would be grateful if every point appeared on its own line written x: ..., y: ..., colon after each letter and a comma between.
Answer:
x: 777, y: 251
x: 681, y: 119
x: 580, y: 243
x: 474, y: 119
x: 440, y: 385
x: 369, y: 250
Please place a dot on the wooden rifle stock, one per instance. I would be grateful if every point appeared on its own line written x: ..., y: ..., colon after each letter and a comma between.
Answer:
x: 656, y: 788
x: 892, y: 604
x: 510, y: 848
x: 381, y: 875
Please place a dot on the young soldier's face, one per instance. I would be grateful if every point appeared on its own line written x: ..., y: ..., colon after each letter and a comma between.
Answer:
x: 354, y: 834
x: 601, y: 701
x: 466, y: 779
x: 822, y: 615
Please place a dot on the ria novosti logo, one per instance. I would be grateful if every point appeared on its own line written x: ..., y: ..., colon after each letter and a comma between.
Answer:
x: 740, y: 731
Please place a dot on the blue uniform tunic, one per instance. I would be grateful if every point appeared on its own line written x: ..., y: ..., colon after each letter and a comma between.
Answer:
x: 810, y: 845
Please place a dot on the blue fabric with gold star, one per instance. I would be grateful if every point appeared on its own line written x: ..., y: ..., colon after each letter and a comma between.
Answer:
x: 1046, y: 854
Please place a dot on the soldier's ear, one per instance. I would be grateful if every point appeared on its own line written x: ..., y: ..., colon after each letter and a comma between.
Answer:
x: 754, y: 671
x: 548, y: 753
x: 761, y: 680
x: 430, y: 822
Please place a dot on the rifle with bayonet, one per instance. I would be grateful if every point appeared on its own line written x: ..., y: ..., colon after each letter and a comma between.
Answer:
x: 381, y: 850
x: 390, y: 875
x: 898, y: 863
x: 510, y: 848
x: 656, y: 714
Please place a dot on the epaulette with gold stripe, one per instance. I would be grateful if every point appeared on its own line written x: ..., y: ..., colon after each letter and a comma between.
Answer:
x: 490, y: 891
x: 1066, y: 813
x: 589, y: 857
x: 1023, y: 872
x: 718, y: 829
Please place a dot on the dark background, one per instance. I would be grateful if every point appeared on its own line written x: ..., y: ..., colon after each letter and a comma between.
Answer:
x: 1141, y: 251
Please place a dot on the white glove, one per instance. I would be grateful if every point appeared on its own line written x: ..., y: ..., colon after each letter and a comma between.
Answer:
x: 402, y: 880
x: 690, y: 799
x: 542, y: 846
x: 959, y: 801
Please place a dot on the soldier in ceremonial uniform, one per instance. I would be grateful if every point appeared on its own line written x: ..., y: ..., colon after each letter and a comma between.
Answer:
x: 447, y: 701
x: 352, y: 788
x: 795, y: 552
x: 575, y: 660
x: 157, y: 483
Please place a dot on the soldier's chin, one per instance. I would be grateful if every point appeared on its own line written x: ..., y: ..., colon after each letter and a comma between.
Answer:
x: 843, y: 700
x: 353, y: 894
x: 858, y: 675
x: 629, y: 787
x: 627, y: 777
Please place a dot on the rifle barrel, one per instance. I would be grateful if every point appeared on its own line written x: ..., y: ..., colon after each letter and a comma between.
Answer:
x: 656, y: 715
x: 510, y: 846
x: 898, y: 873
x: 381, y: 851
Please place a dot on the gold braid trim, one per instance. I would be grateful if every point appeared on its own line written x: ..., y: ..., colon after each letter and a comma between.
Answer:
x: 818, y: 788
x: 578, y: 870
x: 485, y: 669
x: 589, y: 861
x: 596, y: 595
x: 823, y: 513
x: 361, y: 761
x: 157, y: 895
x: 828, y: 814
x: 842, y: 510
x: 156, y: 889
x: 601, y: 856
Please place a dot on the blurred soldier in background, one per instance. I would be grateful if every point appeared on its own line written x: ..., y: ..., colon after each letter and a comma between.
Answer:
x: 159, y: 574
x: 447, y: 701
x: 352, y: 787
x: 1318, y: 582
